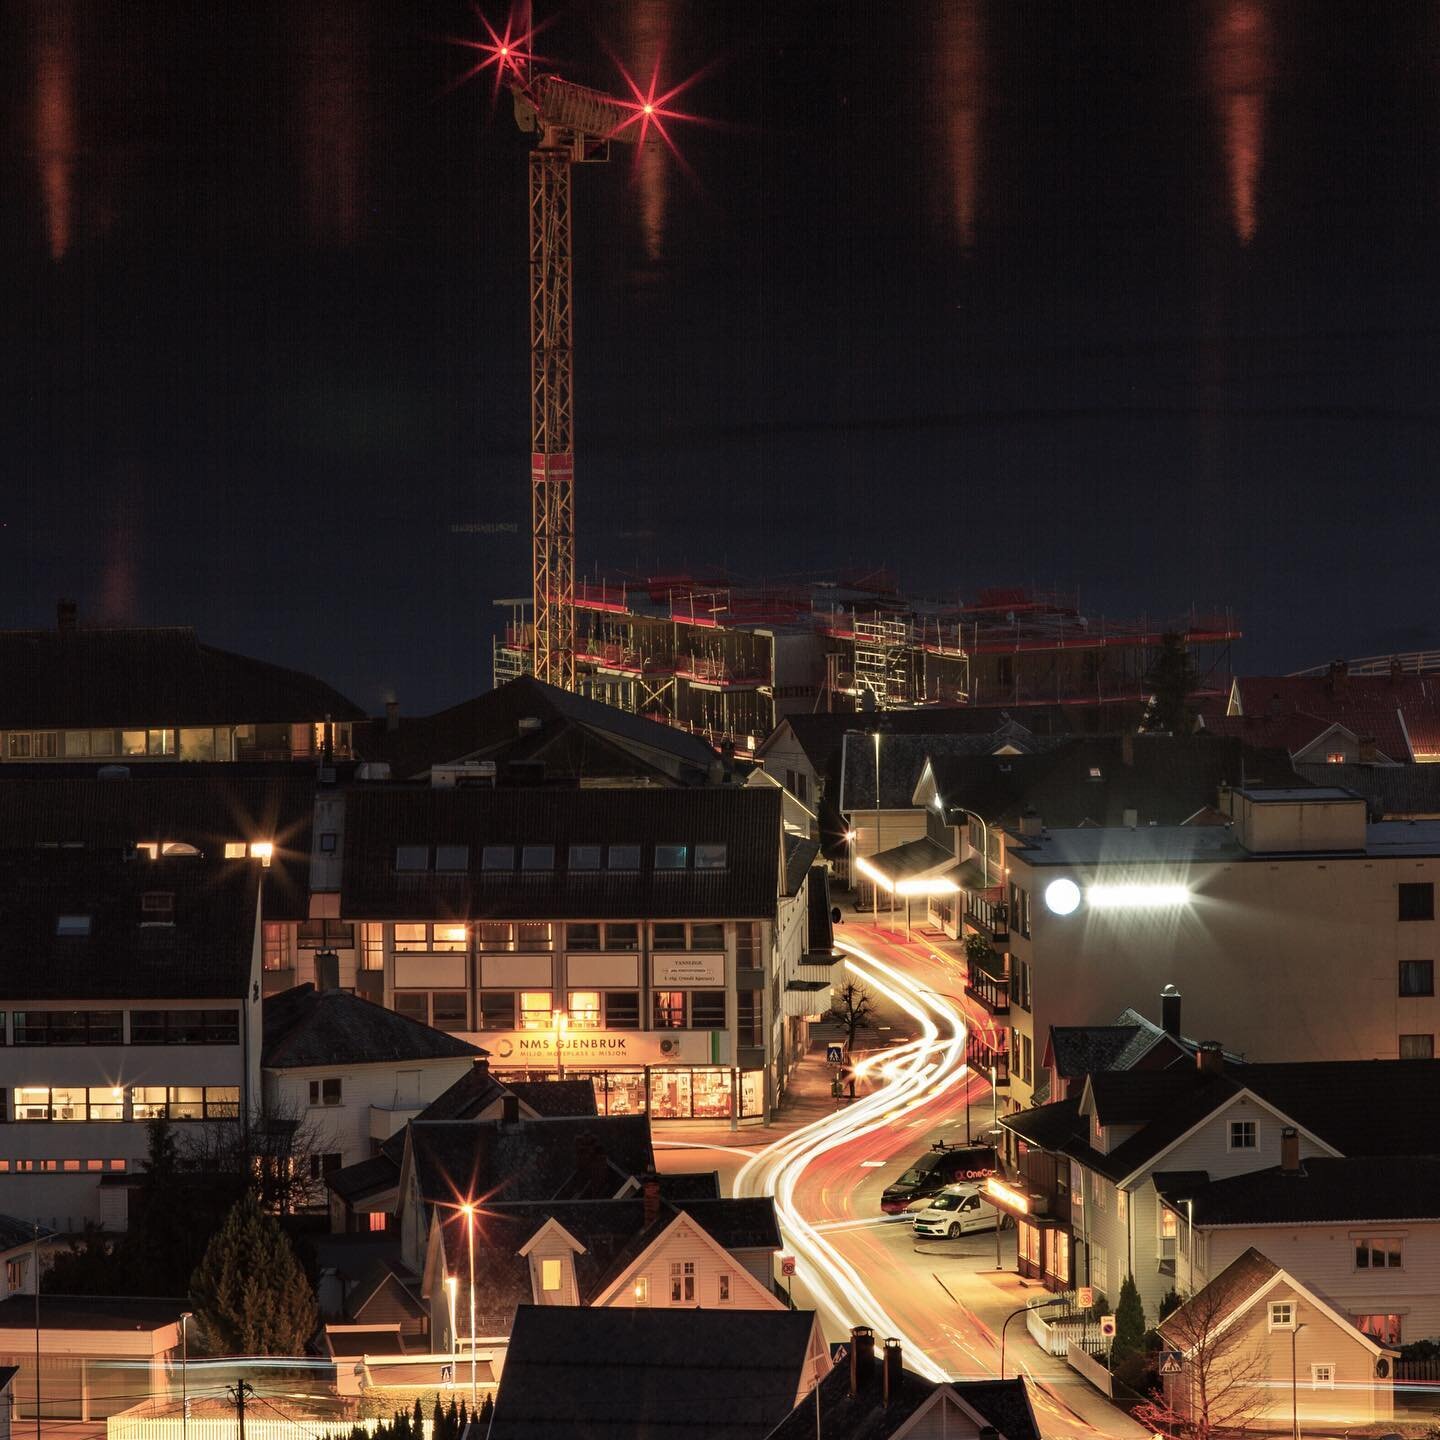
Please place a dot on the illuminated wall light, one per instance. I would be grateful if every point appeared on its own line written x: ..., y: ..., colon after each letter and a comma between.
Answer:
x: 1137, y: 897
x: 1062, y: 897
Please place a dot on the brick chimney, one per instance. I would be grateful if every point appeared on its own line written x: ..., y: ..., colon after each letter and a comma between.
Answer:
x: 892, y: 1375
x: 1369, y: 751
x: 1210, y: 1057
x: 862, y: 1358
x: 650, y: 1189
x: 1030, y: 823
x: 510, y: 1109
x: 1397, y: 669
x: 1289, y: 1151
x: 67, y: 616
x: 1170, y: 1011
x: 1338, y: 678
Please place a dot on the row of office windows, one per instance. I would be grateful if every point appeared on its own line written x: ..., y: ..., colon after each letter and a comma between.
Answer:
x: 108, y: 1027
x: 185, y: 742
x: 584, y: 1010
x: 59, y: 1167
x: 454, y: 937
x: 455, y: 859
x: 134, y: 1102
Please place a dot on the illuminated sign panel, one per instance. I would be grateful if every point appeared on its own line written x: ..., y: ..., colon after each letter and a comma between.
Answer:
x: 1006, y: 1198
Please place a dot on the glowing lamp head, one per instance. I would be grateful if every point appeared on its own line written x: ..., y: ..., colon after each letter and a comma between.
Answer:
x: 1062, y: 897
x: 467, y: 1209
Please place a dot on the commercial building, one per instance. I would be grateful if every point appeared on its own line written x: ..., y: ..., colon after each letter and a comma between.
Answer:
x: 130, y: 992
x: 80, y: 694
x: 1297, y: 930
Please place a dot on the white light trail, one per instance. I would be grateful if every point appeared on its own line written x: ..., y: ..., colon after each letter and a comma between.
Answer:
x: 915, y: 1073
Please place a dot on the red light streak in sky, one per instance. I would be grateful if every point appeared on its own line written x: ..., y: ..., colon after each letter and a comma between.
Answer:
x: 55, y: 147
x: 1240, y: 46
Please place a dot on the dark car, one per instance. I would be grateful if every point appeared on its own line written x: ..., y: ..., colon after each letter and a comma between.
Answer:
x: 938, y: 1167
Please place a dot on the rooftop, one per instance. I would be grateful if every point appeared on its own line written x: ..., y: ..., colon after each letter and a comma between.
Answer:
x: 304, y: 1027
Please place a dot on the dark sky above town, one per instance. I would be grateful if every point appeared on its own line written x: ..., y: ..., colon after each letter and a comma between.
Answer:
x: 1127, y: 298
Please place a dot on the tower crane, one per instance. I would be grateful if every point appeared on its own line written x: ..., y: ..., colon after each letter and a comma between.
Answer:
x: 574, y: 125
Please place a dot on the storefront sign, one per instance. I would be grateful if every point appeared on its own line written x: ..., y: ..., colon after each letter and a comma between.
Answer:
x: 594, y: 1049
x: 684, y: 969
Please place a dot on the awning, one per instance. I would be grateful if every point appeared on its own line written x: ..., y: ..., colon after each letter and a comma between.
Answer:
x: 919, y: 867
x: 825, y: 958
x: 809, y: 985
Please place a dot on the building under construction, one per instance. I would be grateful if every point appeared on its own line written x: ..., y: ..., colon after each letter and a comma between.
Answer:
x: 729, y: 660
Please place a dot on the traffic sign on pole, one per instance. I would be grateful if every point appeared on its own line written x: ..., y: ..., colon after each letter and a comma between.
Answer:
x: 1087, y: 1297
x: 787, y: 1264
x: 1107, y: 1326
x: 1171, y: 1363
x: 834, y: 1053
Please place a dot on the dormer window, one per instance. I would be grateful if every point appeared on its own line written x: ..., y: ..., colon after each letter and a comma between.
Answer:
x: 1095, y: 773
x: 72, y: 925
x: 550, y: 1276
x: 1099, y: 1132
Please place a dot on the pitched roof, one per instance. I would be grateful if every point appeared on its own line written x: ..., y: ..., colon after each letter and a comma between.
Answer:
x: 865, y: 1415
x: 1399, y: 712
x: 92, y: 677
x: 612, y: 1373
x: 1326, y: 1189
x: 1292, y: 731
x: 89, y: 1312
x: 1242, y: 1278
x: 682, y: 1186
x: 303, y: 1026
x: 523, y: 1160
x: 578, y: 736
x: 801, y: 854
x: 1077, y: 1050
x: 820, y: 931
x: 1165, y: 780
x: 903, y: 757
x: 551, y: 1097
x: 745, y: 819
x: 205, y: 952
x: 1394, y: 791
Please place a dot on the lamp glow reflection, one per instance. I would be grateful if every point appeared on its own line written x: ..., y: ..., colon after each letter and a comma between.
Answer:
x: 1062, y: 897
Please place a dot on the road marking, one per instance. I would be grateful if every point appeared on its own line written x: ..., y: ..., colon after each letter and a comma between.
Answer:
x: 872, y: 1164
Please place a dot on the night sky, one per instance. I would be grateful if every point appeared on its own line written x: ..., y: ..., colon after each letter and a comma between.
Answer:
x: 1133, y: 299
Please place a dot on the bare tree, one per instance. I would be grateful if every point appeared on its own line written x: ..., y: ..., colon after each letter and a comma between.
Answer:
x: 280, y: 1149
x: 1222, y: 1389
x: 854, y: 1008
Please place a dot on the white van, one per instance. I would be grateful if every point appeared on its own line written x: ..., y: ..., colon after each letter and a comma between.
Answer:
x: 956, y: 1211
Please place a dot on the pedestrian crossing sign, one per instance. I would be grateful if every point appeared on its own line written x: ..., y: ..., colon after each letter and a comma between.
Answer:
x: 834, y: 1053
x: 1170, y: 1363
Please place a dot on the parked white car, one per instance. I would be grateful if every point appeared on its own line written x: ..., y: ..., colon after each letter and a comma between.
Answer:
x: 956, y: 1211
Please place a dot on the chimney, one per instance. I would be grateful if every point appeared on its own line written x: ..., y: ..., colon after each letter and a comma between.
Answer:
x: 67, y: 616
x: 1209, y: 1057
x: 1030, y: 823
x: 1127, y: 750
x: 1289, y: 1151
x: 1170, y: 1011
x: 482, y: 1064
x: 510, y: 1109
x: 862, y: 1358
x: 1338, y: 679
x: 651, y: 1190
x: 1369, y: 752
x: 392, y: 715
x: 327, y: 970
x: 1397, y: 669
x: 893, y: 1371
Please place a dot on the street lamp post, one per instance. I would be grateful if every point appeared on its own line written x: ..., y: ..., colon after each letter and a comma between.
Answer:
x: 1190, y: 1246
x: 1043, y: 1305
x: 995, y: 1145
x: 875, y: 882
x: 1294, y: 1385
x: 562, y: 1022
x: 468, y: 1210
x: 184, y: 1386
x: 452, y: 1284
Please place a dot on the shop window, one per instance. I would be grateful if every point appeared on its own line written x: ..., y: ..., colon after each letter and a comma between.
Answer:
x: 582, y: 937
x: 671, y: 857
x: 1384, y: 1328
x: 1417, y: 902
x: 668, y: 935
x: 710, y: 857
x: 497, y: 857
x: 709, y: 936
x: 1378, y: 1252
x: 452, y: 859
x: 536, y: 1011
x: 622, y: 1009
x: 622, y: 857
x: 412, y: 858
x: 326, y: 1092
x: 707, y: 1010
x: 712, y: 1095
x: 497, y: 1009
x: 584, y: 1006
x: 448, y: 1010
x: 669, y: 1010
x: 584, y: 857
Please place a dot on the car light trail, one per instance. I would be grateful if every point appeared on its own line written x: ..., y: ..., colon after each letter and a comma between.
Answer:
x: 915, y: 1074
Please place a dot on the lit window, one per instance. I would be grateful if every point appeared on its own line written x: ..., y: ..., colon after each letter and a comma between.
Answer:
x: 179, y: 847
x: 532, y: 935
x: 1335, y: 757
x: 262, y: 850
x: 535, y: 1010
x: 724, y: 1288
x: 669, y: 1009
x: 585, y: 1009
x: 1095, y: 772
x: 1243, y: 1135
x: 1282, y: 1314
x: 494, y: 937
x: 72, y: 925
x: 411, y: 937
x: 449, y: 938
x: 32, y: 1102
x: 234, y: 849
x: 550, y: 1276
x: 377, y: 1220
x: 1384, y: 1328
x: 642, y: 1289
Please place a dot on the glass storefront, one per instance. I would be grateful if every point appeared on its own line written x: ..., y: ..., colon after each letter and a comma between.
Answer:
x: 677, y: 1092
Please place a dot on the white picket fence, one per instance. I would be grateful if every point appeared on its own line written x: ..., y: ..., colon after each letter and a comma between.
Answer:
x: 172, y: 1427
x: 1046, y: 1336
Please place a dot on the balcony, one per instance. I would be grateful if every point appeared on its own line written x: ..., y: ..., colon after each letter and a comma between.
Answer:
x: 980, y: 1057
x: 991, y: 991
x: 987, y: 913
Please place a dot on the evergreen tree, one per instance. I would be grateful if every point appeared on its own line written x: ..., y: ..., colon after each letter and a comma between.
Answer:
x: 250, y: 1293
x: 1172, y: 680
x: 1129, y: 1324
x: 452, y: 1421
x: 487, y: 1408
x: 437, y: 1421
x: 463, y: 1421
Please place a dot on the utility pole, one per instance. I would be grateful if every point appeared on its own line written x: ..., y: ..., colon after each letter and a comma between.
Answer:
x: 35, y: 1281
x: 239, y: 1393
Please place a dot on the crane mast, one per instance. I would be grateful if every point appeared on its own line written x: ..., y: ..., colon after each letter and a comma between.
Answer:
x: 575, y: 125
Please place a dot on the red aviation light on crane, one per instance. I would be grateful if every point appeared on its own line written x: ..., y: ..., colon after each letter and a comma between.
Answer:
x: 507, y: 52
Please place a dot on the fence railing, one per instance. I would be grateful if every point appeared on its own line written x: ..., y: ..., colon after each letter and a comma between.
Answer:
x: 1091, y: 1368
x: 173, y: 1427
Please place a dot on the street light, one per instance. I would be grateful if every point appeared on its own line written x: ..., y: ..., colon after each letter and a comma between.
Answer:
x: 877, y: 823
x: 184, y: 1388
x: 1043, y: 1305
x: 452, y: 1284
x: 562, y: 1023
x: 468, y: 1211
x: 1294, y: 1386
